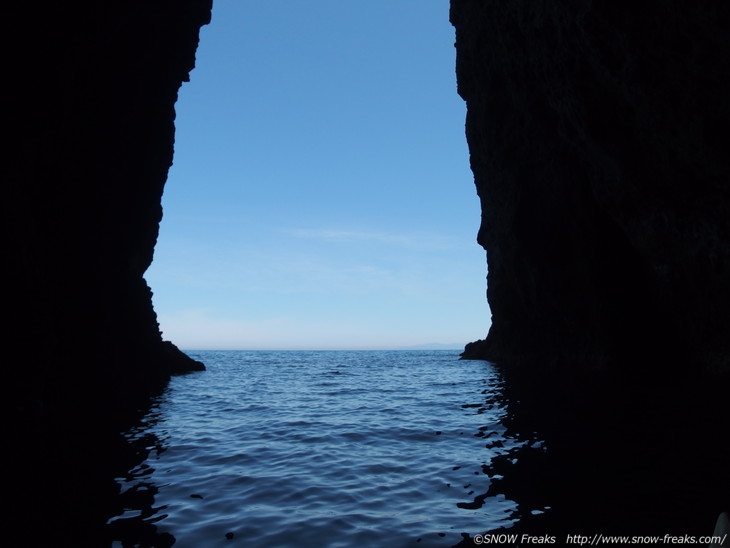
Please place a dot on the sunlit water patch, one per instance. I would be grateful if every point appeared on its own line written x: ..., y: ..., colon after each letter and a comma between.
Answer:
x: 324, y: 449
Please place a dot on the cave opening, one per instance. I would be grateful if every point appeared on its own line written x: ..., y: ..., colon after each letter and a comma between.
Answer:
x: 320, y: 194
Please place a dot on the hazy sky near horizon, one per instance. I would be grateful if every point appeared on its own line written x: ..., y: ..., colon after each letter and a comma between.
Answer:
x: 320, y: 196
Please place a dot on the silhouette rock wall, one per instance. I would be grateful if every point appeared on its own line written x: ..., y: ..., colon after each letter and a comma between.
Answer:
x: 92, y: 131
x: 599, y: 146
x: 89, y: 120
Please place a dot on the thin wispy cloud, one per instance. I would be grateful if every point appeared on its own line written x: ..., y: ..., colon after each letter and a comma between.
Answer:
x: 412, y: 240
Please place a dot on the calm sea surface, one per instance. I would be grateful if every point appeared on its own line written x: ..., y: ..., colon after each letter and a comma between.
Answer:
x: 324, y: 449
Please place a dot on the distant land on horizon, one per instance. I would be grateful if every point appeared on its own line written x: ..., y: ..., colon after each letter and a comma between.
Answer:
x: 425, y: 346
x: 437, y: 346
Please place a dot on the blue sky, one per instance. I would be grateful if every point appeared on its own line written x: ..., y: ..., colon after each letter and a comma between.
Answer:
x: 320, y: 196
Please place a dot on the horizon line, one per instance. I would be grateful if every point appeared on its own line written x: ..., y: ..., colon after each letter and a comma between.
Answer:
x: 392, y: 349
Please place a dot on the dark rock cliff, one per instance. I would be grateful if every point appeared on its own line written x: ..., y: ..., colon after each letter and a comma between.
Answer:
x: 89, y: 125
x: 598, y: 140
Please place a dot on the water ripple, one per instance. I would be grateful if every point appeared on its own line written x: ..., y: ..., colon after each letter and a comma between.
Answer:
x: 326, y: 449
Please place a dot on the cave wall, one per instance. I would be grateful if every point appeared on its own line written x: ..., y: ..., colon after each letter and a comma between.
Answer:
x: 598, y: 141
x: 91, y: 126
x: 89, y: 123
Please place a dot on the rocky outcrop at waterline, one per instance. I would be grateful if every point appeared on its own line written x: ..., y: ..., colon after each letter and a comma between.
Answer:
x: 598, y: 141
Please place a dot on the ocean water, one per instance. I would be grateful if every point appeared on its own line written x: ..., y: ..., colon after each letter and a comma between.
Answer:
x: 323, y: 449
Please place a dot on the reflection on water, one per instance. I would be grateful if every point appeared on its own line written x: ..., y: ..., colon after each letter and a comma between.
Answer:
x: 134, y: 509
x: 613, y: 456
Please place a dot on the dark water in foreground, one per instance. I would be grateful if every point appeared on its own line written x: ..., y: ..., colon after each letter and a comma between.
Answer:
x: 327, y: 449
